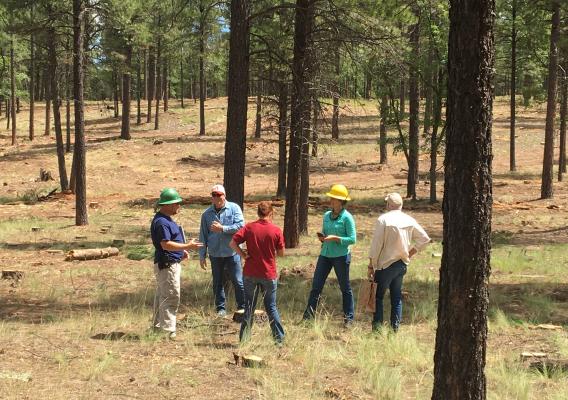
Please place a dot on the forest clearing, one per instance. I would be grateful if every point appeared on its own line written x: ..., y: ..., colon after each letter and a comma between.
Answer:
x: 50, y: 318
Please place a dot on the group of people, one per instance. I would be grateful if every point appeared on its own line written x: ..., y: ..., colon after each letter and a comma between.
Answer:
x: 223, y: 233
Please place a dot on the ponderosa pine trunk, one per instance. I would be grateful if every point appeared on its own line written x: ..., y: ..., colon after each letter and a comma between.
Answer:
x: 282, y: 136
x: 47, y: 91
x: 54, y: 89
x: 512, y: 161
x: 202, y: 94
x: 384, y: 112
x: 237, y: 90
x: 80, y: 168
x: 546, y: 188
x: 166, y: 86
x: 300, y: 118
x: 126, y: 83
x: 335, y: 94
x: 12, y: 91
x: 32, y: 76
x: 159, y: 88
x: 68, y: 104
x: 461, y: 335
x: 182, y: 89
x: 138, y: 91
x: 115, y: 91
x: 414, y: 123
x: 563, y: 112
x: 151, y: 84
x: 434, y: 140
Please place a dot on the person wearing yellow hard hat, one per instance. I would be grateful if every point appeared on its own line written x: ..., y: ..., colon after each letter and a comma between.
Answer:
x: 170, y: 250
x: 338, y: 234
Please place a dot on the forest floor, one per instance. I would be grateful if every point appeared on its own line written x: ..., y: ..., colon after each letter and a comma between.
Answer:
x: 55, y: 321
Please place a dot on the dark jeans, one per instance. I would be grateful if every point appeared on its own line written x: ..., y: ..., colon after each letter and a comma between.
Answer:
x: 233, y: 267
x: 253, y: 286
x: 389, y: 278
x: 341, y: 267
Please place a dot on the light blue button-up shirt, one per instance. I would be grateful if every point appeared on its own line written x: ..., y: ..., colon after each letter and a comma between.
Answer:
x: 217, y: 243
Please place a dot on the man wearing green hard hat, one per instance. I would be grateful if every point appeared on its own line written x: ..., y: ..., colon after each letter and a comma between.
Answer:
x: 170, y: 249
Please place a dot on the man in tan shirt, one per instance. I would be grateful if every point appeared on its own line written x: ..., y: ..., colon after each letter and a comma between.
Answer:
x: 390, y: 253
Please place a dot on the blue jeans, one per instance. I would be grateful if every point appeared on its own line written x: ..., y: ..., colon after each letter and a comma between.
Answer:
x: 253, y: 286
x: 389, y: 278
x: 323, y: 268
x: 233, y: 266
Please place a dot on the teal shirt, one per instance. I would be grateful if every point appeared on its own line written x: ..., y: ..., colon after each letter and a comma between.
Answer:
x: 344, y: 227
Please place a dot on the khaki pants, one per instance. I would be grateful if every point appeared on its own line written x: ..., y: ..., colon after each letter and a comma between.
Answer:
x: 166, y: 300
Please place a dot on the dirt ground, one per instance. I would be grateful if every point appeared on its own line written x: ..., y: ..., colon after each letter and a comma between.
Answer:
x: 47, y: 320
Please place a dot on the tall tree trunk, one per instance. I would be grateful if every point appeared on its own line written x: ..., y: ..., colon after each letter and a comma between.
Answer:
x: 335, y: 94
x: 37, y: 89
x: 315, y: 133
x: 428, y: 89
x: 80, y: 168
x: 546, y: 189
x: 166, y: 86
x: 414, y: 123
x: 202, y: 74
x: 434, y: 140
x: 32, y: 76
x: 68, y: 103
x: 384, y: 111
x: 159, y: 88
x: 512, y: 163
x: 54, y: 89
x: 461, y: 336
x: 300, y: 119
x: 563, y: 112
x: 258, y: 121
x: 182, y: 89
x: 145, y: 58
x: 282, y: 135
x: 238, y: 87
x: 8, y: 113
x: 126, y: 83
x: 12, y: 90
x: 115, y: 91
x: 138, y: 92
x: 151, y: 84
x: 402, y: 97
x: 47, y: 91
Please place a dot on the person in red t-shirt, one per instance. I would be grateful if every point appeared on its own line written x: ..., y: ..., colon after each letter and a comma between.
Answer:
x: 264, y: 242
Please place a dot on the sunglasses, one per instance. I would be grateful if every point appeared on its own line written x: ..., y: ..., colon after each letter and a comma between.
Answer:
x: 216, y: 194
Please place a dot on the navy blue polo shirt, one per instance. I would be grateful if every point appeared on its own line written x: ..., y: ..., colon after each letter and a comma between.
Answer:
x: 164, y: 228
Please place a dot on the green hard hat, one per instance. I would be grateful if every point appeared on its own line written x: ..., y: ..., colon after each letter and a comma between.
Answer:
x: 169, y: 196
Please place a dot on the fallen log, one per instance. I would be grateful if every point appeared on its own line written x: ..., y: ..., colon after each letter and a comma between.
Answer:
x: 91, y: 254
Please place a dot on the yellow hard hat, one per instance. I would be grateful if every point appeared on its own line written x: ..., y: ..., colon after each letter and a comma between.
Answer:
x: 339, y: 192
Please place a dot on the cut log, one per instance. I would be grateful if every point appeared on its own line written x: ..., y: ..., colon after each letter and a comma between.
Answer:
x: 91, y: 254
x: 11, y: 274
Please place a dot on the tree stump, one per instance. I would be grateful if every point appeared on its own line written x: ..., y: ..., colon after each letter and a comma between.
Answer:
x: 248, y: 361
x: 45, y: 175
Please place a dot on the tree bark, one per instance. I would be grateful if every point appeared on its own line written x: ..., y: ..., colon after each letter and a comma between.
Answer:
x: 166, y: 86
x: 459, y: 358
x: 151, y: 84
x: 335, y: 94
x: 202, y: 94
x: 47, y: 104
x: 126, y: 83
x: 282, y: 135
x: 238, y: 87
x: 12, y: 91
x: 32, y: 75
x: 145, y: 74
x: 384, y: 111
x: 81, y: 216
x: 182, y: 89
x: 315, y: 134
x: 563, y: 112
x: 115, y: 91
x: 159, y: 88
x: 300, y: 119
x: 54, y: 89
x: 68, y: 104
x: 512, y: 162
x: 434, y: 140
x: 138, y: 91
x: 414, y: 125
x: 546, y: 188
